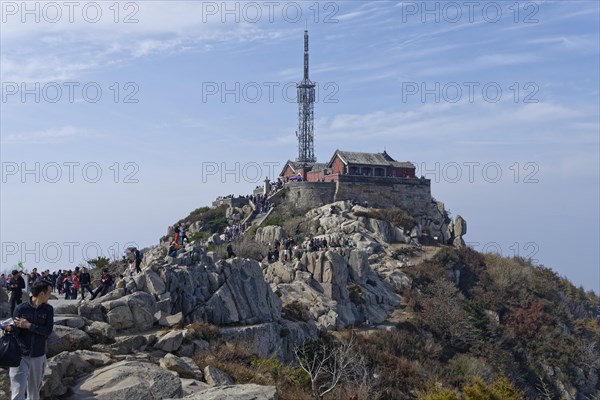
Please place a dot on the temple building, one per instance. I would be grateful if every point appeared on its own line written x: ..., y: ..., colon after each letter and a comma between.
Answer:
x: 380, y: 165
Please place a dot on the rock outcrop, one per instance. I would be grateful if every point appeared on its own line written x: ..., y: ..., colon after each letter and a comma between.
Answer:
x: 129, y: 344
x: 268, y: 234
x: 228, y: 292
x: 216, y: 377
x: 135, y: 380
x: 65, y: 368
x: 64, y: 338
x: 237, y: 392
x: 183, y: 366
x: 336, y: 286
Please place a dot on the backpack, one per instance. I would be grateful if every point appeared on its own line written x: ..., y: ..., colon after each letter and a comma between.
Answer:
x: 10, y: 351
x: 67, y: 282
x: 75, y: 280
x: 139, y: 255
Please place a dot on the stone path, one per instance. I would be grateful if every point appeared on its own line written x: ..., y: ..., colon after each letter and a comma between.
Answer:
x: 259, y: 219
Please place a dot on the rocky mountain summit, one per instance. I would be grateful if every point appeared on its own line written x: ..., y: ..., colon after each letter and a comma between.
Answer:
x: 204, y: 326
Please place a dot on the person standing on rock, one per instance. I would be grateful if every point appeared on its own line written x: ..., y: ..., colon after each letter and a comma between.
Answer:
x: 177, y: 233
x: 33, y: 323
x: 59, y: 284
x: 31, y: 278
x: 131, y: 268
x: 184, y: 236
x: 138, y: 257
x: 16, y: 286
x: 67, y: 284
x: 85, y: 281
x: 76, y: 283
x: 53, y: 276
x: 230, y: 253
x: 276, y: 245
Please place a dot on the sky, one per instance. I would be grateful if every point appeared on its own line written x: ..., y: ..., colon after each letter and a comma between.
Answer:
x: 120, y: 118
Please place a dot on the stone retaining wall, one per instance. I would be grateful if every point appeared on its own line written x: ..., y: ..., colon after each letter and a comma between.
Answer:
x: 411, y: 194
x: 408, y: 193
x: 304, y: 195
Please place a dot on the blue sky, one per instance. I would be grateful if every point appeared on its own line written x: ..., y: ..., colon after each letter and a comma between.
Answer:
x: 496, y: 102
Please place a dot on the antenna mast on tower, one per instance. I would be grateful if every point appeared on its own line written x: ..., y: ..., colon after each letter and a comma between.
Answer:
x: 306, y: 100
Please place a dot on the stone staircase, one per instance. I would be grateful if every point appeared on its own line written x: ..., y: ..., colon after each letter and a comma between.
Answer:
x: 258, y: 218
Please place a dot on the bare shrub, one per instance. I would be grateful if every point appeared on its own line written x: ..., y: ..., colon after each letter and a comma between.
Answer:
x: 466, y: 367
x: 508, y: 274
x: 330, y: 365
x: 244, y: 366
x: 295, y: 311
x: 443, y: 312
x: 248, y: 248
x: 204, y: 331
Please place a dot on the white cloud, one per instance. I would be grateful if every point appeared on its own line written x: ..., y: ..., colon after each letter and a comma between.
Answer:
x: 480, y: 125
x: 351, y: 15
x: 544, y: 112
x: 44, y: 137
x: 151, y: 46
x: 500, y: 59
x: 584, y: 43
x: 45, y: 52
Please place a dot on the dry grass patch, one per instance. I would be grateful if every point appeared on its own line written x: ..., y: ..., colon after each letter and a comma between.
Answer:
x: 244, y: 366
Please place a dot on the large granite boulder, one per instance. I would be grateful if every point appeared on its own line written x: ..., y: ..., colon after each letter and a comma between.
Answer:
x: 66, y: 309
x: 228, y: 292
x: 63, y: 369
x: 133, y: 311
x: 237, y: 392
x: 183, y: 366
x: 91, y: 311
x: 244, y: 297
x: 171, y: 341
x: 154, y: 283
x: 216, y: 377
x: 337, y: 287
x: 64, y: 338
x: 118, y: 314
x: 460, y: 229
x: 460, y: 226
x: 143, y: 307
x: 273, y: 339
x: 264, y: 339
x: 101, y: 332
x: 127, y: 344
x: 131, y: 380
x: 73, y: 321
x: 268, y: 234
x: 280, y: 272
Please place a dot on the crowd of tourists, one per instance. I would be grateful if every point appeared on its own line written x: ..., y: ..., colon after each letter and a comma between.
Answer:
x: 68, y: 283
x: 235, y: 231
x: 180, y: 237
x: 288, y: 250
x: 262, y: 203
